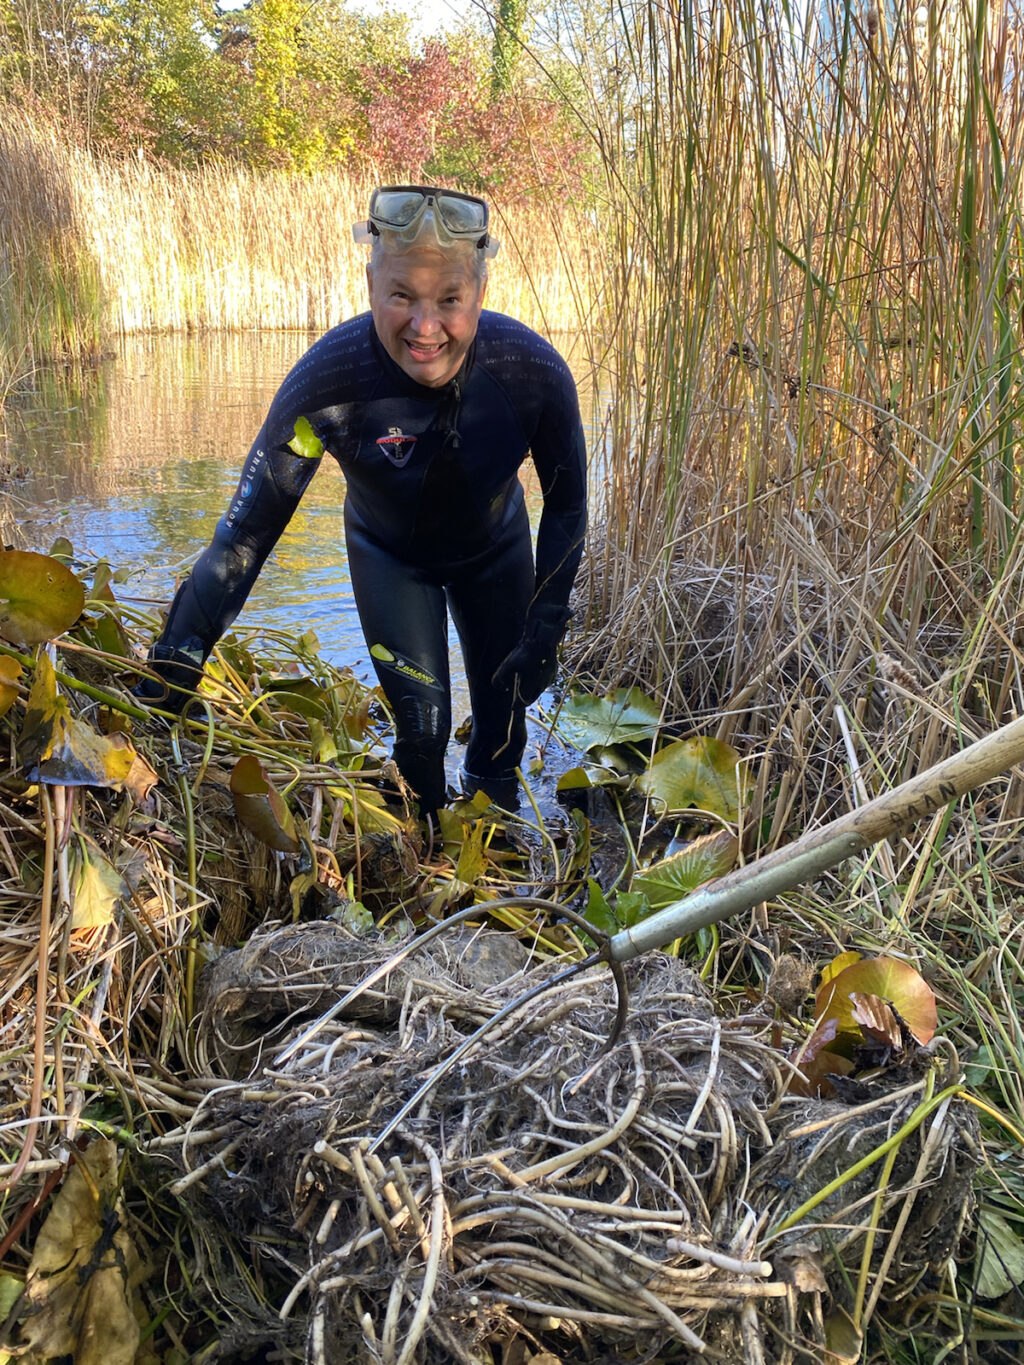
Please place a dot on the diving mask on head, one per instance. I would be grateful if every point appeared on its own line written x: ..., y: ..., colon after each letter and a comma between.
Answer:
x: 404, y: 213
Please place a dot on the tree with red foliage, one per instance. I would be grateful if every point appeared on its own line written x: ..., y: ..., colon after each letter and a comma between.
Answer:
x: 438, y: 119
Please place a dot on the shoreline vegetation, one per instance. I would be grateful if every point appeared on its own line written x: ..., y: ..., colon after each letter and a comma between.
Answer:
x: 98, y: 248
x: 796, y: 257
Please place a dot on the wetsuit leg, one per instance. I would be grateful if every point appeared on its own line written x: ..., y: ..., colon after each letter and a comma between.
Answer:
x: 489, y: 598
x: 404, y: 620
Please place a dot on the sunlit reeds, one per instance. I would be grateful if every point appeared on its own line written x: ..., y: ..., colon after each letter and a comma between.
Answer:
x: 95, y: 248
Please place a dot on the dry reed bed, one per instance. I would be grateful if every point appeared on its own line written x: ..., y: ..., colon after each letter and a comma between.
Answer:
x: 816, y: 353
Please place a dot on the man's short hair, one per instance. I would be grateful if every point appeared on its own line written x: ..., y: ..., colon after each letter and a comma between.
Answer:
x: 466, y: 250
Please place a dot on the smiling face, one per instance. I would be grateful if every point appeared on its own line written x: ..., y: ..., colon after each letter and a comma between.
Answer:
x: 426, y: 305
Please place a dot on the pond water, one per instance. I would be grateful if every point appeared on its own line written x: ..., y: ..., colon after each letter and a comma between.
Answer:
x: 135, y: 461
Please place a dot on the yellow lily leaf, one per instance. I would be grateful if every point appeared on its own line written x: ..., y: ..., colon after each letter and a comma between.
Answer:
x: 471, y: 862
x: 892, y: 981
x: 702, y: 771
x: 96, y: 887
x: 839, y: 964
x: 10, y: 672
x: 58, y: 748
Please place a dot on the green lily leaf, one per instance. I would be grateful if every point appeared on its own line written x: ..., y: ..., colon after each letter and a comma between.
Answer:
x: 673, y: 878
x: 63, y: 550
x: 40, y: 598
x: 103, y: 628
x: 598, y: 912
x: 261, y: 807
x: 983, y: 1061
x: 299, y: 695
x: 631, y: 907
x: 622, y: 717
x: 699, y: 772
x: 1000, y: 1265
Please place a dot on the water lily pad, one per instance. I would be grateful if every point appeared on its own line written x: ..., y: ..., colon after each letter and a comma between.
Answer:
x: 839, y: 964
x: 701, y: 772
x: 673, y: 878
x: 893, y: 981
x: 580, y: 779
x: 622, y: 717
x: 261, y: 807
x: 40, y: 598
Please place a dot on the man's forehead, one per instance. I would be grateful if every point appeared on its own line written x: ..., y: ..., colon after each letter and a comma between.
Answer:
x: 439, y: 264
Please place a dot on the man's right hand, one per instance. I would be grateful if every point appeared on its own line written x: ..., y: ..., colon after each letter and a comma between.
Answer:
x: 172, y: 679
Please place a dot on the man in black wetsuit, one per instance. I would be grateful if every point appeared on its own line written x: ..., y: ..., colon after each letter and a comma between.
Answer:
x: 430, y: 405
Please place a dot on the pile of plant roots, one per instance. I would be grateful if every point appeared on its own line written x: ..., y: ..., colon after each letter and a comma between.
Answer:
x: 541, y: 1191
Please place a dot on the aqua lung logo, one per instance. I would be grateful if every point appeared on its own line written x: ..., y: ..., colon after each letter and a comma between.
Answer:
x: 397, y: 446
x: 246, y: 485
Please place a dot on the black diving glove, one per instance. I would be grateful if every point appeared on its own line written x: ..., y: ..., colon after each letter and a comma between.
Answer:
x: 177, y: 676
x: 531, y: 667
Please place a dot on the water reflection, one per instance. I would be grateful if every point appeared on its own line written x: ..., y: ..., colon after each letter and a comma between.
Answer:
x: 134, y: 462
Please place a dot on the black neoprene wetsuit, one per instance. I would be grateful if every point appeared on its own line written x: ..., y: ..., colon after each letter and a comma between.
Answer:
x: 434, y: 516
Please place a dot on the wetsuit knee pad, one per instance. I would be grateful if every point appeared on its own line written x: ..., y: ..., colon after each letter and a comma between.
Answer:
x: 421, y: 737
x: 422, y: 725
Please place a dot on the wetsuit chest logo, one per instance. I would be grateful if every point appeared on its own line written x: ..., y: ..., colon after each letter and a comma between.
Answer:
x: 397, y: 446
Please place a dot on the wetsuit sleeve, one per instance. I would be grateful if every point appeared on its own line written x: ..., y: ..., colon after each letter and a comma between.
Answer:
x: 560, y: 456
x: 272, y: 483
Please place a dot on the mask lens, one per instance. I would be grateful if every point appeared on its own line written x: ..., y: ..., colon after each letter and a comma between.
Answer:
x: 462, y: 215
x: 396, y: 207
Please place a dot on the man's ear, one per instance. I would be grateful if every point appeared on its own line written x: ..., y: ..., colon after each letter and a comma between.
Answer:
x: 369, y: 280
x: 483, y: 291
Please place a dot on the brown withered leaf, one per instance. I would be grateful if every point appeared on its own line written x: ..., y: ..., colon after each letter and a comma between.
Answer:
x: 261, y: 807
x: 84, y: 1269
x: 817, y: 1061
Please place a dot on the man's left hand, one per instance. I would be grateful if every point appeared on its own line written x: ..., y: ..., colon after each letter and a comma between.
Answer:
x: 531, y: 667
